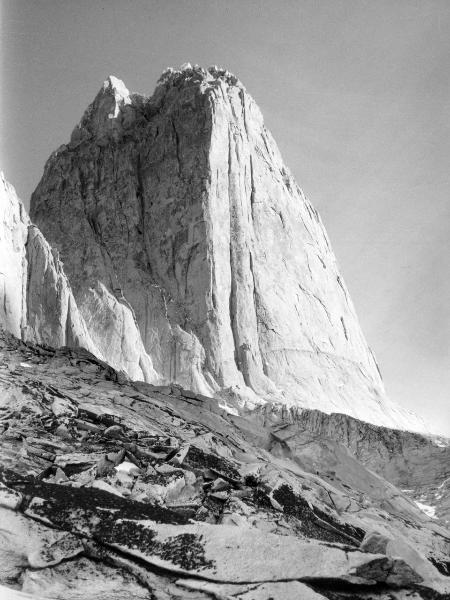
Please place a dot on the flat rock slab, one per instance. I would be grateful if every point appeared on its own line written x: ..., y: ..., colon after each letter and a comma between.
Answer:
x: 25, y: 543
x: 216, y: 552
x: 7, y: 593
x: 83, y: 578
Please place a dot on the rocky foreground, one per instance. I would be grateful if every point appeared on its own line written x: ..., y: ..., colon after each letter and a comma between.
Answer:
x: 116, y: 489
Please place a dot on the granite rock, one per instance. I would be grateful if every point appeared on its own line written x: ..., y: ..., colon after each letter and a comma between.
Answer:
x: 37, y: 303
x: 195, y: 258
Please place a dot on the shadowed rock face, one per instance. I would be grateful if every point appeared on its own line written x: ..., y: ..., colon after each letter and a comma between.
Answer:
x: 194, y: 257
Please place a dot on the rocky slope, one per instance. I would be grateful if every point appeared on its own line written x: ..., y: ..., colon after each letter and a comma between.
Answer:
x: 195, y: 258
x: 112, y: 488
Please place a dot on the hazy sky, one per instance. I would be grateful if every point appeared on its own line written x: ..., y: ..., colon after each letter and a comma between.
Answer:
x: 357, y: 95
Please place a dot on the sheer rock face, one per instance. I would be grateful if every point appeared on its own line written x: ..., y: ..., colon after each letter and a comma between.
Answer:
x: 13, y: 235
x: 36, y: 302
x: 180, y: 208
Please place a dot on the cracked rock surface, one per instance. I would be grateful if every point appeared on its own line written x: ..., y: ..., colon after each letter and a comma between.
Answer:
x: 112, y: 488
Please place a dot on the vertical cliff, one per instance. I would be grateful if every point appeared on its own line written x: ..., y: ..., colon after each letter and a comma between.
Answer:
x: 36, y: 302
x: 178, y: 209
x: 14, y: 224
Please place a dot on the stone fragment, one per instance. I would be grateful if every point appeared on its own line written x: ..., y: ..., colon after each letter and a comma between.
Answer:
x: 83, y: 478
x: 143, y: 453
x: 219, y: 495
x: 150, y: 470
x: 219, y: 485
x: 104, y: 466
x: 132, y: 458
x: 189, y: 394
x: 166, y: 469
x: 116, y: 457
x: 376, y: 542
x: 62, y: 407
x: 59, y: 476
x: 63, y: 432
x: 86, y: 426
x: 115, y: 432
x: 180, y: 455
x: 128, y: 468
x: 245, y: 492
x: 77, y: 460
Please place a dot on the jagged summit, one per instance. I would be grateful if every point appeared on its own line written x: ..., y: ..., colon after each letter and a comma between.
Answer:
x: 179, y: 209
x: 105, y: 116
x: 116, y: 90
x: 116, y: 86
x: 187, y: 72
x: 115, y: 110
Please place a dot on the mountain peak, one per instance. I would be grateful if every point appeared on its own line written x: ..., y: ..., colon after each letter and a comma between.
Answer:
x: 104, y: 117
x: 116, y: 88
x: 179, y: 207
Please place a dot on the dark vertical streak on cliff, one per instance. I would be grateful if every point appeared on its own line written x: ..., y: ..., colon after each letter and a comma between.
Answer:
x: 141, y: 202
x: 233, y: 299
x: 257, y: 313
x: 177, y: 146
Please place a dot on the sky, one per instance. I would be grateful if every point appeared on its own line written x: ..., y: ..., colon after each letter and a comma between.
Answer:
x: 357, y: 96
